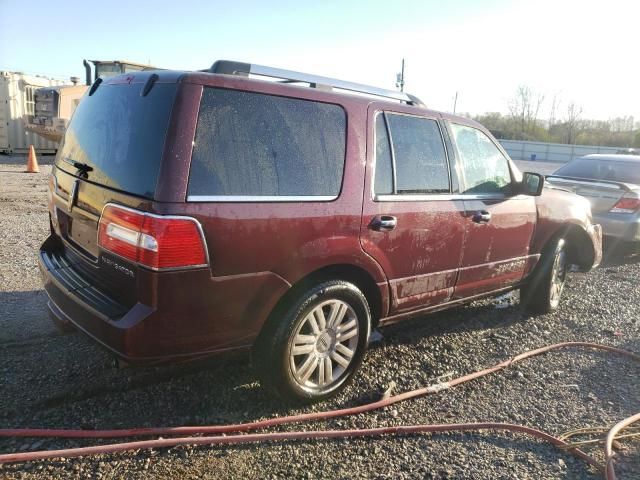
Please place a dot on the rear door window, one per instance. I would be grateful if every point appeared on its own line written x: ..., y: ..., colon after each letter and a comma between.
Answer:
x: 414, y: 147
x: 257, y: 145
x: 485, y: 168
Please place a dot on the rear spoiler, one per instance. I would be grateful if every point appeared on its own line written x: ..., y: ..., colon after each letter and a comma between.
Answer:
x: 591, y: 181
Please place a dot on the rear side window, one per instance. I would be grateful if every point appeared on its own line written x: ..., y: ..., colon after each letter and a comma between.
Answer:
x: 418, y: 154
x: 257, y: 145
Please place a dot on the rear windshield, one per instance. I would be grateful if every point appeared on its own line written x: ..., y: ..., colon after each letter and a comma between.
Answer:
x: 257, y: 145
x: 120, y: 135
x: 615, y: 171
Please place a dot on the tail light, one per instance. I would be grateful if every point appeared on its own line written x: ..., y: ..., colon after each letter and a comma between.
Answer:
x: 155, y: 241
x: 626, y: 205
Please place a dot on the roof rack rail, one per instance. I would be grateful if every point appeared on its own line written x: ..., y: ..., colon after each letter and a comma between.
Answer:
x: 229, y: 67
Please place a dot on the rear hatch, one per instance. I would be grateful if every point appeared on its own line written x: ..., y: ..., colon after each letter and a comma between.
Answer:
x: 111, y: 153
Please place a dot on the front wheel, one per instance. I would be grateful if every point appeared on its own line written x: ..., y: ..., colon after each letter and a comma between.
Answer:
x: 543, y: 291
x: 311, y: 348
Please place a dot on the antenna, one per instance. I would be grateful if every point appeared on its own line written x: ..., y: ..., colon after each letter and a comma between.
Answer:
x: 400, y: 78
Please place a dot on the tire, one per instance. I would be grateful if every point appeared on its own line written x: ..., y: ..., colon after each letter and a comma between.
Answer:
x: 544, y: 289
x: 320, y: 333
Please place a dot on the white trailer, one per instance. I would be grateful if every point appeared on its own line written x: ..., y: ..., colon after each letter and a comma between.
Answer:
x: 17, y: 100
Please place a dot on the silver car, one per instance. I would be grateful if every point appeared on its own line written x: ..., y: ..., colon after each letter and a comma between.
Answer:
x: 611, y: 183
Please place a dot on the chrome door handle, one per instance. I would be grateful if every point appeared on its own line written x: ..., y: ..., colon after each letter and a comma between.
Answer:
x: 482, y: 217
x: 383, y: 223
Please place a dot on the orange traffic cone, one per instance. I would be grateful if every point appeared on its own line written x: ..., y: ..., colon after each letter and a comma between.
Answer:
x: 32, y: 161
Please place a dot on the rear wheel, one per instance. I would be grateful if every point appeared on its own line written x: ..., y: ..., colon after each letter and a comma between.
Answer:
x: 311, y: 348
x: 543, y: 291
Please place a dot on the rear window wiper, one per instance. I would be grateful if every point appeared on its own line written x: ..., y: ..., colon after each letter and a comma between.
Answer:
x: 83, y: 167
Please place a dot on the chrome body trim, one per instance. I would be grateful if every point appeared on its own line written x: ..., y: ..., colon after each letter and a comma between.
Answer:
x: 73, y: 196
x: 500, y: 262
x: 443, y: 306
x: 439, y: 196
x: 424, y: 275
x: 260, y: 198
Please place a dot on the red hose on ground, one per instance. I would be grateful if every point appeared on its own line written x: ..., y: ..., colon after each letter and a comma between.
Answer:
x: 608, y: 444
x: 226, y: 429
x: 265, y: 437
x: 306, y: 417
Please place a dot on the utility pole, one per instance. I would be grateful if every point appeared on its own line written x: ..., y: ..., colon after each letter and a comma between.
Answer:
x: 400, y: 78
x: 455, y: 103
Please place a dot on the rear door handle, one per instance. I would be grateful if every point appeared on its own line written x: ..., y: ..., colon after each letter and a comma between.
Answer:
x: 383, y: 223
x: 481, y: 217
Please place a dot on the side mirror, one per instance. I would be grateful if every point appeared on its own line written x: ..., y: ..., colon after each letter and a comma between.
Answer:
x: 532, y: 184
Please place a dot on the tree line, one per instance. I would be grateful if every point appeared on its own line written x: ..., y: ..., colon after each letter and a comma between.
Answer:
x: 560, y: 123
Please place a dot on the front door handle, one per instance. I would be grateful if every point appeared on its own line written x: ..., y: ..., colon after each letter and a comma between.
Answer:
x: 383, y: 223
x: 482, y: 217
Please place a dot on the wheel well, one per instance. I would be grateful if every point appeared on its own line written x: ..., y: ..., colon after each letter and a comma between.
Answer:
x: 579, y: 247
x: 350, y: 273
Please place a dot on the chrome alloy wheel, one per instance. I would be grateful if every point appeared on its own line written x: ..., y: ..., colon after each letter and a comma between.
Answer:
x: 324, y: 344
x: 558, y: 276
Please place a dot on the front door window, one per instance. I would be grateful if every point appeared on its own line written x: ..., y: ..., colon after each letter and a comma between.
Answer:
x: 485, y: 168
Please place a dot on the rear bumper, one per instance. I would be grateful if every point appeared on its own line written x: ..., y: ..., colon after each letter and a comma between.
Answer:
x: 192, y: 314
x: 73, y: 301
x: 624, y: 227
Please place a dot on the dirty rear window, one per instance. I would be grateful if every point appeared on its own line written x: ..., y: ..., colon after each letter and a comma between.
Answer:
x: 120, y: 135
x: 257, y: 145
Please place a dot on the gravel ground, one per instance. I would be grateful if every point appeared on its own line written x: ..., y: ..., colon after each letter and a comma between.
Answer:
x: 52, y: 380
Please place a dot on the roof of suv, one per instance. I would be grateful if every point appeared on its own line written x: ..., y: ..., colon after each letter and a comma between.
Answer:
x: 337, y: 96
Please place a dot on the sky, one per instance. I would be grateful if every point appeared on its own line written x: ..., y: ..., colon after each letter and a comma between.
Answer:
x: 581, y: 51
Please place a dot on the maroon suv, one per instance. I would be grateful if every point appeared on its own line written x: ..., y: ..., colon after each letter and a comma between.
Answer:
x: 195, y: 213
